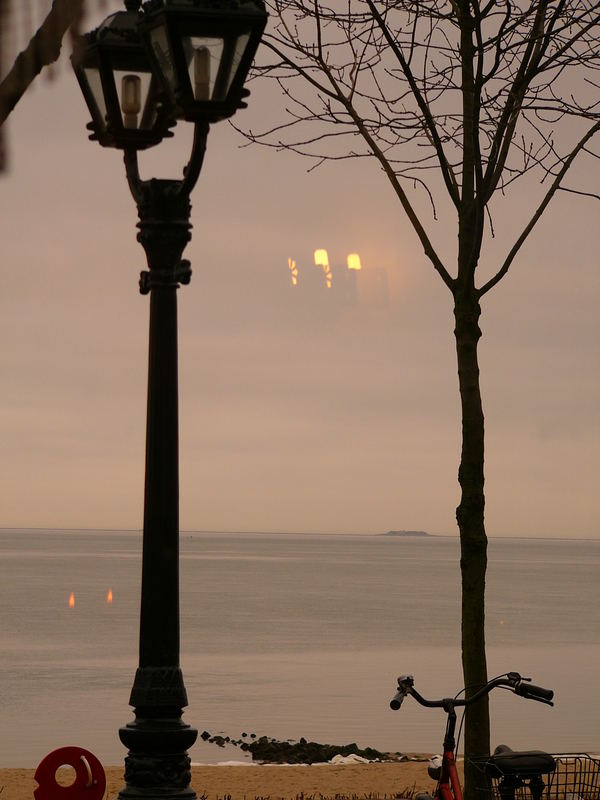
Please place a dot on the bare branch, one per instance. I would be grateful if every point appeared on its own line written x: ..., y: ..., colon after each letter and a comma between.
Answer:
x: 579, y: 192
x: 43, y: 50
x: 469, y: 94
x: 449, y: 178
x: 380, y: 155
x: 556, y: 184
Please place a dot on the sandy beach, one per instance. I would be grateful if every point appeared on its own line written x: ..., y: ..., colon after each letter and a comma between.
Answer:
x: 249, y: 782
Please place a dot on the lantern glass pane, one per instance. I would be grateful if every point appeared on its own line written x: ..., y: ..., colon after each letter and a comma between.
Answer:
x: 162, y: 51
x: 203, y: 55
x: 133, y: 91
x: 94, y: 82
x: 240, y: 49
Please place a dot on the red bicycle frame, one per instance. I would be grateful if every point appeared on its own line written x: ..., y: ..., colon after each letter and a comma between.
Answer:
x: 449, y: 787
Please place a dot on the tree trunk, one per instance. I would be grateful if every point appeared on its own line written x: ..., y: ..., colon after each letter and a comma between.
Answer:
x: 470, y: 518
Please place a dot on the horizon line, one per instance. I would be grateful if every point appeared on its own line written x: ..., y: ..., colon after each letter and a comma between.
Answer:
x: 297, y: 533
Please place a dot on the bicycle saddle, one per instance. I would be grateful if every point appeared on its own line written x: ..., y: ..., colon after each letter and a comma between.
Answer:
x: 505, y: 761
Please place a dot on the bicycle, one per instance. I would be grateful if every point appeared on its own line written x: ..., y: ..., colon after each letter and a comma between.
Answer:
x: 507, y: 774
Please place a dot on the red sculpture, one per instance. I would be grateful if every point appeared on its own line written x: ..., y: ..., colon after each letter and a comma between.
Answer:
x: 89, y: 783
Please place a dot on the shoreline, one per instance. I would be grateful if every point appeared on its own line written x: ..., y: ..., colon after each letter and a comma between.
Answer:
x: 275, y: 781
x: 384, y: 780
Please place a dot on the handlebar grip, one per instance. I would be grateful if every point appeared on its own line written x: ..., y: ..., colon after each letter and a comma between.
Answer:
x: 532, y: 692
x: 396, y: 701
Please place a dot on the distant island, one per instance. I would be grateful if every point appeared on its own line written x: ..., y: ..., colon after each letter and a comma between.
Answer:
x: 405, y: 533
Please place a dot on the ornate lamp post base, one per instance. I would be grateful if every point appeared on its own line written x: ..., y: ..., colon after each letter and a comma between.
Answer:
x: 157, y: 766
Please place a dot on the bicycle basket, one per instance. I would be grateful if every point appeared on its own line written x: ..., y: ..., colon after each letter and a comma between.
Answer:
x: 576, y: 777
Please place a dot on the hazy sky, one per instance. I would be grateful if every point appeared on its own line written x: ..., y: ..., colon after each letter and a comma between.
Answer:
x: 296, y: 414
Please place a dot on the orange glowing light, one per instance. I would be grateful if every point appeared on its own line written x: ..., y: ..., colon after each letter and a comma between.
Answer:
x: 71, y: 600
x: 322, y: 259
x: 293, y: 271
x: 109, y: 596
x: 353, y: 261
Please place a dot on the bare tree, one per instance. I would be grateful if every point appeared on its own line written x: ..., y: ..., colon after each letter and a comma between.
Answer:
x: 42, y: 50
x: 459, y: 99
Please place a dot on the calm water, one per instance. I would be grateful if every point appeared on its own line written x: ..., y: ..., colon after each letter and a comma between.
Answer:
x: 293, y: 635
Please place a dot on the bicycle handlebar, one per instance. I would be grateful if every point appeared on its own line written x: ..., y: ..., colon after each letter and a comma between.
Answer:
x: 510, y: 680
x: 405, y: 682
x: 532, y: 692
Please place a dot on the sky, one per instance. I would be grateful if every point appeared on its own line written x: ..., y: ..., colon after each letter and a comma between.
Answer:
x: 297, y: 413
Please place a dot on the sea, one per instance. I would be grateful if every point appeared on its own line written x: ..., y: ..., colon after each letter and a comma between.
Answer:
x: 293, y: 635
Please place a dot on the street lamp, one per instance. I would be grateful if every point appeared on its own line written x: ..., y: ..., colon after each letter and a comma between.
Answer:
x: 118, y: 84
x: 141, y: 70
x: 203, y: 57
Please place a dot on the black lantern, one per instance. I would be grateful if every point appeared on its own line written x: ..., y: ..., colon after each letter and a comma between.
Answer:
x: 203, y: 50
x: 116, y: 79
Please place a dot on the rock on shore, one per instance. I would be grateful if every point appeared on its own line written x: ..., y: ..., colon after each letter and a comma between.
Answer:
x: 274, y: 751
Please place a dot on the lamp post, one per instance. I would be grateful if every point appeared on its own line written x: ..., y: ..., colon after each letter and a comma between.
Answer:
x: 140, y: 71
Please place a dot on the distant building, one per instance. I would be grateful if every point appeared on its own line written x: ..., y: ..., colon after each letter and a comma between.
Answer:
x: 344, y: 285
